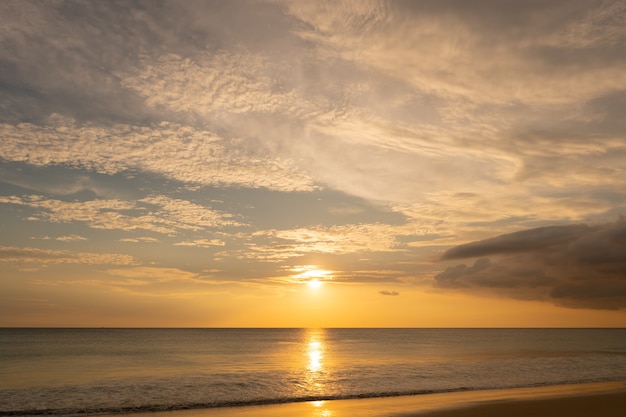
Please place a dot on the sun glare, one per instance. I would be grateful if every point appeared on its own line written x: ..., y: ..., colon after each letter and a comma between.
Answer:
x: 314, y: 283
x: 312, y: 275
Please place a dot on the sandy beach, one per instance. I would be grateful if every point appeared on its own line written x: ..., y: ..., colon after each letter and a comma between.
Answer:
x: 580, y: 400
x: 600, y: 405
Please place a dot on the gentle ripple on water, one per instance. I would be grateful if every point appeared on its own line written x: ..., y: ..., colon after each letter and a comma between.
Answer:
x: 89, y: 371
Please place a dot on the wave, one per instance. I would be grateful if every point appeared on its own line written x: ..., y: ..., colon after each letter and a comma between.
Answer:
x: 87, y: 411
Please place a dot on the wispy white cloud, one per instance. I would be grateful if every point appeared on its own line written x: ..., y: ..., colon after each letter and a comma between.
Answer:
x: 201, y: 243
x: 71, y: 238
x: 273, y: 245
x: 159, y: 214
x: 216, y: 84
x: 142, y: 239
x: 48, y: 256
x: 600, y: 26
x: 153, y: 273
x: 150, y: 281
x: 454, y: 52
x: 490, y: 83
x: 421, y: 97
x: 173, y: 150
x: 187, y: 215
x: 378, y: 240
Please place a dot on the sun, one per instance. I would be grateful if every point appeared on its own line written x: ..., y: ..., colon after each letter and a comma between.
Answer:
x: 312, y: 275
x: 314, y: 283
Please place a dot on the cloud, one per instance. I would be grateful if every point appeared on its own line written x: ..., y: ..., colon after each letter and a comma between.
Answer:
x: 54, y: 180
x: 463, y: 117
x: 454, y: 51
x: 70, y: 238
x: 187, y: 215
x: 392, y: 293
x: 173, y: 150
x: 342, y: 239
x: 155, y: 213
x: 201, y: 243
x: 275, y: 245
x: 166, y: 282
x: 484, y: 273
x: 519, y: 242
x: 141, y: 239
x: 488, y: 73
x: 47, y: 256
x: 579, y: 265
x: 153, y: 273
x: 225, y: 98
x: 216, y: 84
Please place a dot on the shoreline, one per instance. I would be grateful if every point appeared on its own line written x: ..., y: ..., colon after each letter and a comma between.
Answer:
x: 600, y: 398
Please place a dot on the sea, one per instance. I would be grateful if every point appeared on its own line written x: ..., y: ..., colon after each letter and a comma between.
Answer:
x: 69, y: 372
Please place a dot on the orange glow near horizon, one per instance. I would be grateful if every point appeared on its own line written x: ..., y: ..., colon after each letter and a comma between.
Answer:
x: 276, y: 178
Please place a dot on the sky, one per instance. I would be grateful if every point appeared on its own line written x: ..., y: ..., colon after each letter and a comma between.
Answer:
x: 288, y: 163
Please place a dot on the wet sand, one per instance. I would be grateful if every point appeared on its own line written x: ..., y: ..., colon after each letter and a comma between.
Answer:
x: 596, y: 405
x: 598, y: 400
x: 581, y: 400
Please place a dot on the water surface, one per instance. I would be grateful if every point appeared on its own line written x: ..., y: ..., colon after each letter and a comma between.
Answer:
x: 90, y: 371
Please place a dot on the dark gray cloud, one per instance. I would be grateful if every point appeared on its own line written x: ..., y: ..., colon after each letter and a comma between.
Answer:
x: 392, y: 293
x: 523, y: 241
x: 493, y: 275
x: 580, y: 266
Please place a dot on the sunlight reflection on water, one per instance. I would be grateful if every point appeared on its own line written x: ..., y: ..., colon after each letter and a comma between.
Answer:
x: 314, y: 341
x: 315, y: 356
x: 320, y: 409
